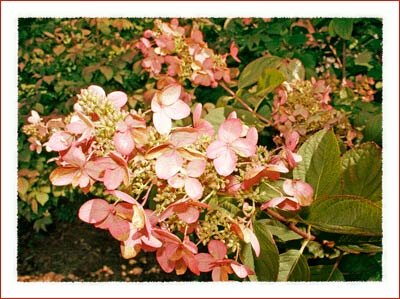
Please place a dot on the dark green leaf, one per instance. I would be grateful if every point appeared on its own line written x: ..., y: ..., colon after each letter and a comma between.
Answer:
x: 253, y: 71
x: 320, y: 166
x: 365, y: 248
x: 343, y: 27
x: 269, y: 80
x: 293, y: 266
x: 325, y: 273
x: 346, y: 215
x: 362, y: 171
x: 266, y: 266
x: 293, y: 69
x: 280, y: 230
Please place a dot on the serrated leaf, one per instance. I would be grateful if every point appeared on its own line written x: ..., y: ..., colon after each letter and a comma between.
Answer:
x: 270, y: 190
x: 280, y: 230
x: 320, y: 166
x: 266, y: 265
x: 253, y: 71
x: 325, y: 273
x: 346, y: 215
x: 343, y: 27
x: 293, y: 266
x: 362, y: 171
x: 107, y: 72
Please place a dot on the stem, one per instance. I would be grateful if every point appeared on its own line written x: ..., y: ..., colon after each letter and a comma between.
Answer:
x: 260, y: 117
x: 290, y: 225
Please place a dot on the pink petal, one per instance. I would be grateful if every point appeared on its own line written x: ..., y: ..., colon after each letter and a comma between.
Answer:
x: 234, y: 50
x: 215, y: 149
x: 197, y: 114
x: 204, y: 127
x: 217, y: 249
x: 240, y: 270
x: 113, y: 178
x: 168, y: 165
x: 254, y: 242
x: 189, y: 215
x: 35, y: 118
x: 226, y: 162
x: 97, y: 90
x: 118, y: 98
x: 230, y: 130
x: 59, y: 141
x: 196, y: 168
x: 162, y: 122
x: 205, y: 262
x: 62, y: 176
x: 170, y: 94
x: 193, y: 188
x: 152, y: 241
x: 252, y: 136
x: 176, y: 181
x: 219, y: 274
x: 192, y: 263
x: 155, y: 106
x: 163, y: 259
x: 291, y: 140
x: 177, y: 110
x: 243, y: 147
x: 94, y: 210
x: 123, y: 196
x: 183, y: 136
x: 75, y: 157
x: 272, y: 203
x: 123, y: 142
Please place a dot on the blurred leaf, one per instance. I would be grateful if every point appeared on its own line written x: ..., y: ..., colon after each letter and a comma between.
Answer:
x: 269, y: 80
x: 42, y: 197
x: 364, y: 59
x: 360, y: 248
x: 41, y: 223
x: 293, y: 266
x: 266, y: 266
x: 253, y: 71
x: 58, y: 49
x: 362, y: 171
x: 270, y: 190
x: 346, y: 215
x: 325, y: 273
x: 320, y: 166
x: 362, y: 267
x: 292, y: 69
x: 280, y: 230
x: 342, y: 27
x: 23, y: 185
x: 107, y: 72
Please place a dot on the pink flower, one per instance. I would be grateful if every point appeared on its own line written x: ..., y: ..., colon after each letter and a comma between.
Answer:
x: 115, y: 171
x: 75, y: 169
x: 271, y: 171
x: 34, y: 118
x: 300, y: 194
x: 224, y: 151
x: 59, y: 141
x: 247, y: 235
x: 81, y: 125
x: 130, y: 132
x: 186, y: 210
x: 187, y: 177
x: 166, y: 105
x: 215, y: 261
x: 176, y: 254
x: 202, y: 126
x: 291, y: 141
x: 118, y: 98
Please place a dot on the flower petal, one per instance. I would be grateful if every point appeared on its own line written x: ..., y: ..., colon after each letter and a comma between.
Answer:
x: 217, y: 249
x: 230, y: 130
x: 170, y: 94
x: 193, y: 188
x: 215, y: 149
x: 177, y: 110
x: 226, y: 162
x: 205, y: 262
x: 176, y: 181
x: 189, y: 214
x: 94, y: 210
x: 240, y: 270
x: 162, y: 122
x: 62, y: 176
x: 196, y: 168
x: 123, y: 142
x: 243, y: 147
x: 113, y: 178
x: 168, y: 165
x: 118, y: 98
x: 97, y: 90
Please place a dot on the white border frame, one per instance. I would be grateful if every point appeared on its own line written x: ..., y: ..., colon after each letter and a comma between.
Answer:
x: 11, y: 11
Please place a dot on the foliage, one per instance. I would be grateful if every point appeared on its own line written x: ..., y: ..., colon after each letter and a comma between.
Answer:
x: 275, y: 176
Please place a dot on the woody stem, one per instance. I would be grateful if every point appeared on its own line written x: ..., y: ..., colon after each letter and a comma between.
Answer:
x: 230, y: 91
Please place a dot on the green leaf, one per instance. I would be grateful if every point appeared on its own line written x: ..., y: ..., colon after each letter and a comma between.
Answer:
x: 280, y: 230
x: 23, y: 185
x: 266, y: 266
x: 362, y: 171
x: 343, y: 27
x: 356, y: 267
x: 360, y: 248
x: 42, y: 197
x: 346, y: 215
x: 320, y: 166
x: 293, y: 266
x: 107, y: 72
x: 269, y: 80
x: 373, y: 129
x: 253, y: 71
x: 325, y: 273
x: 364, y: 59
x: 41, y: 223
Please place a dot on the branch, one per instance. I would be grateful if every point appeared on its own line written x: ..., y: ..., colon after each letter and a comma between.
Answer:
x: 260, y: 117
x: 290, y: 225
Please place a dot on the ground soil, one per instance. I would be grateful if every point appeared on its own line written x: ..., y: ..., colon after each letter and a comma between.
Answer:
x: 78, y: 252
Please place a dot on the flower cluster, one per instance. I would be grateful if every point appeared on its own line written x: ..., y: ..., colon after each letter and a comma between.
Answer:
x: 178, y: 53
x: 186, y: 174
x: 304, y: 107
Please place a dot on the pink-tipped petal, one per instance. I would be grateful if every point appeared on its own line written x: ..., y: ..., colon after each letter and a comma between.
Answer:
x: 215, y: 149
x: 162, y: 122
x: 75, y: 157
x: 205, y: 262
x: 118, y: 98
x: 230, y: 130
x: 243, y: 147
x: 62, y: 176
x: 189, y: 215
x: 226, y: 162
x: 252, y: 136
x: 177, y: 181
x: 113, y: 178
x: 240, y: 270
x: 197, y: 114
x: 97, y: 90
x: 124, y: 143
